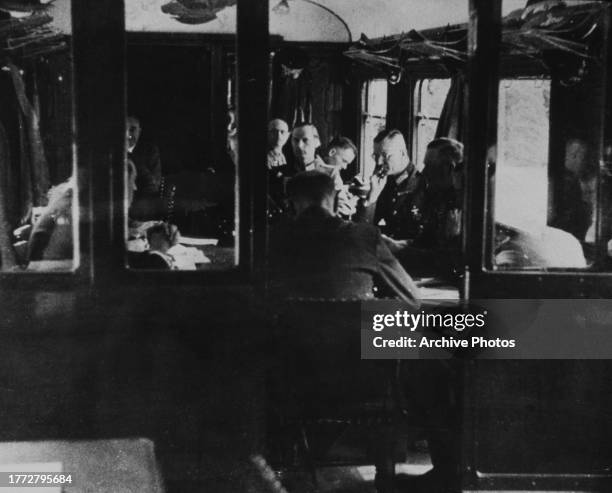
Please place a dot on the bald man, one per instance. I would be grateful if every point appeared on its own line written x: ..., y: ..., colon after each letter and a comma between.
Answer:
x: 278, y: 134
x: 278, y: 170
x: 394, y: 201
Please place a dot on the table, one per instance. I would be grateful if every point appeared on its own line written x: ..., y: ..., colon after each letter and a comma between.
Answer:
x: 436, y: 289
x: 220, y: 257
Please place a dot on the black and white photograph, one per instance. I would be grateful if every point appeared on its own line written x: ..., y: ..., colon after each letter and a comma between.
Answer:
x: 306, y: 246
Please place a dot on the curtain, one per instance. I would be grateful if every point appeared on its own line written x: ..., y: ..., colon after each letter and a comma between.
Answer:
x: 451, y: 118
x: 293, y: 101
x: 34, y: 166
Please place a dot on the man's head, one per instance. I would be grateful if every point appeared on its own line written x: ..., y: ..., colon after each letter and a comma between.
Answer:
x: 442, y: 159
x: 311, y: 188
x: 304, y: 142
x: 390, y: 152
x: 576, y: 151
x: 278, y: 133
x: 159, y: 238
x: 340, y: 152
x: 132, y: 132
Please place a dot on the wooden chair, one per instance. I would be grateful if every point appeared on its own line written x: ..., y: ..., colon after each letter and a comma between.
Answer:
x: 322, y: 382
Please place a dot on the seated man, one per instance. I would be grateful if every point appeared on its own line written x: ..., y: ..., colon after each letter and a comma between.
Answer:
x: 338, y: 155
x: 436, y: 248
x: 146, y: 159
x: 278, y: 169
x: 394, y: 199
x: 304, y: 142
x: 318, y: 255
x: 278, y: 134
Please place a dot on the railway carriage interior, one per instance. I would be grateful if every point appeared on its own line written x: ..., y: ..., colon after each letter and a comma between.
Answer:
x: 141, y: 327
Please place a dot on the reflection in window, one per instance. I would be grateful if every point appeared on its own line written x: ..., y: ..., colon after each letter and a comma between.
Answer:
x: 373, y: 120
x: 38, y: 185
x: 180, y: 173
x: 429, y: 98
x: 546, y: 205
x: 522, y: 154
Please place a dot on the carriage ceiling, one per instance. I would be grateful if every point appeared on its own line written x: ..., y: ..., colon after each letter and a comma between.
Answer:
x: 294, y: 20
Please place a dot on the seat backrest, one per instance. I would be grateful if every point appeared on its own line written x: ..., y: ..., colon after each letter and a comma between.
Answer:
x: 321, y: 354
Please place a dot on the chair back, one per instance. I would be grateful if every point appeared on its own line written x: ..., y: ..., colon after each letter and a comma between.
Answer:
x: 324, y: 375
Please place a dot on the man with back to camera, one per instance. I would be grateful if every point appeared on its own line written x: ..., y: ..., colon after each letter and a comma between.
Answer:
x: 395, y: 196
x: 319, y: 255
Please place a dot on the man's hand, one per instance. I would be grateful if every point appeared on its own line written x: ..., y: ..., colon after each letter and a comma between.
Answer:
x: 377, y: 183
x: 347, y: 203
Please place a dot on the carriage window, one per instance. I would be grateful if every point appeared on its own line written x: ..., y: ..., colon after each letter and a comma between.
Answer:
x: 429, y: 98
x: 522, y: 154
x: 181, y: 138
x: 545, y: 179
x: 373, y: 120
x: 38, y: 180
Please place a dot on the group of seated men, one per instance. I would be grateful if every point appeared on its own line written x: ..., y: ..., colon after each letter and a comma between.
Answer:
x: 416, y: 213
x: 350, y: 241
x: 333, y: 244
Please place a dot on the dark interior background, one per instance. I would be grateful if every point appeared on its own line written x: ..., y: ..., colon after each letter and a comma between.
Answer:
x: 168, y: 89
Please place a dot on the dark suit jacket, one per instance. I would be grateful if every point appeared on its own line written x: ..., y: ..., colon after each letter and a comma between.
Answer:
x: 322, y: 256
x: 147, y: 260
x: 148, y: 168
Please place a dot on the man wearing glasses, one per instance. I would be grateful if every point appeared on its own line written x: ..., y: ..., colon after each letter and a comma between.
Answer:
x: 394, y: 201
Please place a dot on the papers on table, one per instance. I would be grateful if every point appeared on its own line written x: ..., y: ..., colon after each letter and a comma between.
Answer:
x: 188, y: 240
x: 186, y: 258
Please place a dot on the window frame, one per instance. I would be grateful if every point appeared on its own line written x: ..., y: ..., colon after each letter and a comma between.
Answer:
x: 81, y: 274
x: 417, y: 117
x: 364, y: 116
x: 98, y: 51
x: 481, y: 123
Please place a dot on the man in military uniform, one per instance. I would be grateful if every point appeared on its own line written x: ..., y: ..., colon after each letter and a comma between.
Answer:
x: 395, y: 198
x: 438, y: 246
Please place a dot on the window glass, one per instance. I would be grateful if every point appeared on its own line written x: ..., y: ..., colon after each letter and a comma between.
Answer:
x: 522, y: 162
x: 374, y: 120
x: 181, y: 138
x: 38, y: 179
x: 429, y: 98
x: 547, y: 209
